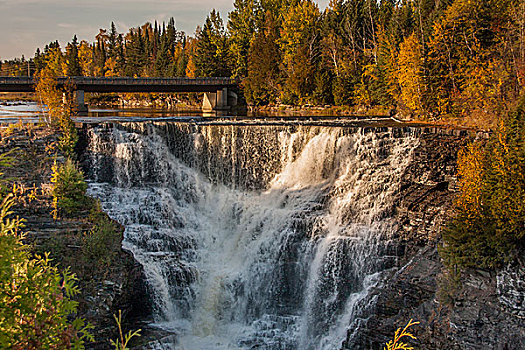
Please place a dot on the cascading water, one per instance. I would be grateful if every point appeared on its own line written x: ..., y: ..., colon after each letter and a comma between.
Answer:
x: 251, y: 237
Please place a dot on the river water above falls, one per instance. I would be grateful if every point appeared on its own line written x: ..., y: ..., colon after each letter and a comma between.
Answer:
x: 254, y: 237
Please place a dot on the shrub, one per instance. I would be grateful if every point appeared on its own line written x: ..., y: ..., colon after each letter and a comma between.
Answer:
x: 60, y: 108
x: 35, y: 297
x: 69, y: 190
x: 7, y: 160
x: 101, y: 244
x: 121, y: 343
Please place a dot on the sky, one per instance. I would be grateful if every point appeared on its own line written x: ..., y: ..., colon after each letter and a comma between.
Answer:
x: 28, y: 24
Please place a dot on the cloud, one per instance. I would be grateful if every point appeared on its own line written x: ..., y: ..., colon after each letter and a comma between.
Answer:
x: 66, y: 25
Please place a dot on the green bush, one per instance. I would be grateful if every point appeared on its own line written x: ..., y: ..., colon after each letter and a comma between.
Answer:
x: 35, y: 297
x: 101, y: 244
x: 69, y: 190
x: 7, y: 160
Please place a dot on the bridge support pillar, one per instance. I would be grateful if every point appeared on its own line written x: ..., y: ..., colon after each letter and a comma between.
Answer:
x: 81, y: 104
x: 216, y: 101
x: 222, y: 100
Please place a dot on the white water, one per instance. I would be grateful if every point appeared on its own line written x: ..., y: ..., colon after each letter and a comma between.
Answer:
x: 287, y: 263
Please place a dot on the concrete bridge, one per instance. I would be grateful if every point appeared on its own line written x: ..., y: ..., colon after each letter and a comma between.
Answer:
x: 218, y: 94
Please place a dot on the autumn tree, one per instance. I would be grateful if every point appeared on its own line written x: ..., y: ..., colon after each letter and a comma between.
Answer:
x: 262, y: 84
x: 409, y: 73
x: 297, y: 43
x: 85, y: 59
x: 488, y: 228
x: 468, y: 36
x: 61, y: 106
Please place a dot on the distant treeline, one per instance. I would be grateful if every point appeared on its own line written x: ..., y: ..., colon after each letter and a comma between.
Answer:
x: 427, y: 57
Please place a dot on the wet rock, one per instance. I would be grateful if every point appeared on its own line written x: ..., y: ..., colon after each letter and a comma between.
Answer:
x: 511, y: 289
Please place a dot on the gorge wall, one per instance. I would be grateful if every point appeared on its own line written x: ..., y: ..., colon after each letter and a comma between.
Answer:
x: 485, y: 310
x: 296, y: 237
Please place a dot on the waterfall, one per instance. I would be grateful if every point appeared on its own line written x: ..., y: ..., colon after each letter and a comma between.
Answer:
x: 266, y: 237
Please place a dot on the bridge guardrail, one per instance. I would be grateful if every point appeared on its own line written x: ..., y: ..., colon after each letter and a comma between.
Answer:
x: 125, y: 81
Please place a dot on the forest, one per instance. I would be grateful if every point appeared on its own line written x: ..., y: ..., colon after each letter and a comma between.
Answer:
x: 435, y: 59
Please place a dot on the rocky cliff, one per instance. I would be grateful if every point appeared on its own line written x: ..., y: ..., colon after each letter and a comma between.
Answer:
x: 484, y: 310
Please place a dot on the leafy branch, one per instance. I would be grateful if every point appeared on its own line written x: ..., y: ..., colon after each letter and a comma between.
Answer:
x: 122, y: 342
x: 396, y: 343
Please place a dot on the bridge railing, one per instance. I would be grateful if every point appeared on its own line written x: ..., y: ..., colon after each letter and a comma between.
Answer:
x: 124, y: 81
x: 17, y: 80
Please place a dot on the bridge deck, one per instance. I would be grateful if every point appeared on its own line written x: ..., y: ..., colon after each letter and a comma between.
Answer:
x: 119, y: 84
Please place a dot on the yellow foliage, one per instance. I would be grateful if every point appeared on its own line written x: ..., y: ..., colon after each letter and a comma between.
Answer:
x: 470, y: 173
x: 191, y: 69
x: 47, y: 91
x: 85, y: 58
x: 298, y: 22
x: 396, y: 343
x: 111, y: 67
x: 55, y: 62
x: 60, y: 107
x: 409, y: 72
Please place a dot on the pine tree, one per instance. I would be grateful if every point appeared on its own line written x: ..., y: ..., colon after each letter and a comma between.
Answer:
x: 241, y: 27
x: 73, y: 66
x: 212, y: 55
x: 163, y: 60
x: 113, y: 42
x: 135, y: 54
x: 171, y: 34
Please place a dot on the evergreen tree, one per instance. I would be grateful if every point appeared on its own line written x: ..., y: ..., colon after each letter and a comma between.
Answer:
x: 113, y: 42
x: 73, y: 65
x: 212, y: 54
x: 135, y: 54
x: 241, y: 27
x: 163, y: 61
x: 171, y: 34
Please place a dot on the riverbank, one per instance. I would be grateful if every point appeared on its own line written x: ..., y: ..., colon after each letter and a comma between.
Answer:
x: 17, y: 96
x: 191, y: 101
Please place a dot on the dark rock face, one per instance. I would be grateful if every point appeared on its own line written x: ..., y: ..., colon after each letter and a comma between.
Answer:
x: 103, y: 291
x: 123, y: 289
x: 487, y: 309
